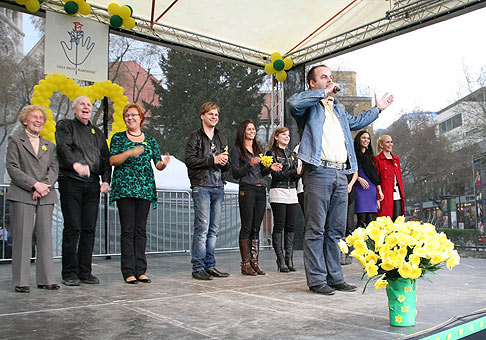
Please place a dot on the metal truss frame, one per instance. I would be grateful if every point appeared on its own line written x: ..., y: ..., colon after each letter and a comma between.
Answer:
x: 403, y: 16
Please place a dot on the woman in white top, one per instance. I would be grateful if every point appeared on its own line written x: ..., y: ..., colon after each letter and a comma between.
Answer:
x: 283, y: 197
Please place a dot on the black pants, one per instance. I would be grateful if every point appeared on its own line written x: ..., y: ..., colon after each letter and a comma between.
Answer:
x: 252, y: 200
x: 300, y: 197
x: 365, y: 218
x: 284, y: 216
x: 397, y: 209
x: 79, y: 205
x: 133, y: 220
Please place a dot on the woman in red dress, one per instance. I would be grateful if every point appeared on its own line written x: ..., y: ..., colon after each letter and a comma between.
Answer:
x: 390, y: 173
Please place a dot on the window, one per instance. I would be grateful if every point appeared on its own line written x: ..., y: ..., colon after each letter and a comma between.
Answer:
x: 450, y: 123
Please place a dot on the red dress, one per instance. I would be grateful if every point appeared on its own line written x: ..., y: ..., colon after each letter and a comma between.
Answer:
x: 387, y: 170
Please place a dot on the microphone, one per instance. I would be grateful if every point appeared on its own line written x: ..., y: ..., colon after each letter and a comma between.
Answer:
x: 337, y: 89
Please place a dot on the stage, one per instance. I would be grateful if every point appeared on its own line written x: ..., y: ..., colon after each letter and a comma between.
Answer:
x: 274, y: 306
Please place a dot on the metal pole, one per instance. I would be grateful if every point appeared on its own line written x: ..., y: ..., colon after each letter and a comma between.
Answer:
x: 105, y: 196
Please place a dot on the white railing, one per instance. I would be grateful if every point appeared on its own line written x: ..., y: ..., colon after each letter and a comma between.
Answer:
x: 169, y: 227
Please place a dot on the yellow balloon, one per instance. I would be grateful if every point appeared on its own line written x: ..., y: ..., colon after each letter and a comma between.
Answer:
x: 124, y: 12
x: 79, y: 2
x: 113, y: 8
x: 288, y: 63
x: 129, y: 23
x: 281, y: 75
x: 21, y: 2
x: 85, y: 8
x: 275, y: 56
x: 32, y: 5
x: 269, y: 69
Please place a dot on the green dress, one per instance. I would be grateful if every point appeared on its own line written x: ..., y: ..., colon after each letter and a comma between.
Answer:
x: 135, y: 177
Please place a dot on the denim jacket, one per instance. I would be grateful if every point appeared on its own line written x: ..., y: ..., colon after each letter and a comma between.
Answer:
x: 309, y: 114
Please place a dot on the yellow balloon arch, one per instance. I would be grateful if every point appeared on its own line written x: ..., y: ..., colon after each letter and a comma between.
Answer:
x: 57, y: 82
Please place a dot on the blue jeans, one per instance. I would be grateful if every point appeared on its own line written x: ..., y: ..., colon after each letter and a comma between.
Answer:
x: 208, y: 202
x: 326, y: 200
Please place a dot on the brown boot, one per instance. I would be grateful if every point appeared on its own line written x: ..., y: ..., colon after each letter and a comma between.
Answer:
x: 246, y: 268
x: 255, y: 247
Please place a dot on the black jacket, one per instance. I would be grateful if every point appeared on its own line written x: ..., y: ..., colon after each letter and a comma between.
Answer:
x: 287, y: 177
x: 85, y: 144
x: 198, y: 157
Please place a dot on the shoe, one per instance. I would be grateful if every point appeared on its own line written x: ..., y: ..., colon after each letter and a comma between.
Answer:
x: 143, y: 278
x: 52, y: 286
x: 131, y: 280
x: 90, y: 279
x: 344, y: 287
x: 216, y: 273
x: 22, y: 289
x: 71, y: 281
x: 201, y: 274
x: 322, y: 289
x: 289, y: 250
x: 255, y: 249
x: 246, y: 268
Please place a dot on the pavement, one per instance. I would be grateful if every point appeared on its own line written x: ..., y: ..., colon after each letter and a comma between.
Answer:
x: 273, y: 306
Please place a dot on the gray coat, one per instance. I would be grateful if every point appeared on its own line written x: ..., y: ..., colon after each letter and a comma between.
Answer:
x: 25, y: 169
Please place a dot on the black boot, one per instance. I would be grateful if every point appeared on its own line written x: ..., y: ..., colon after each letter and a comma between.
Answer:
x: 289, y: 250
x: 246, y: 268
x: 255, y: 248
x: 277, y: 246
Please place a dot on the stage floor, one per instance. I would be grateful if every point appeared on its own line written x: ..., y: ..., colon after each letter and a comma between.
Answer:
x: 274, y: 306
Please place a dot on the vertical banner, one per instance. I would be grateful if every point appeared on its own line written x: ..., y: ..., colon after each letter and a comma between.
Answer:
x: 76, y: 47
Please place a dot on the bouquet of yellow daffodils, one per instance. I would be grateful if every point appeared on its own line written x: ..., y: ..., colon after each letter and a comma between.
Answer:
x: 388, y: 250
x: 266, y: 160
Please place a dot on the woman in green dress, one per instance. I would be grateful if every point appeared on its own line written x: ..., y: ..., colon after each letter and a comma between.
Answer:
x: 133, y: 189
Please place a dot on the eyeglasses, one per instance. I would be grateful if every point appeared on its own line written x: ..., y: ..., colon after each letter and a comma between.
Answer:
x: 131, y: 115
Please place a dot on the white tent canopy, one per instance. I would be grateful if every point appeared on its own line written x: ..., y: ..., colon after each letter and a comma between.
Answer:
x: 174, y: 177
x: 250, y: 31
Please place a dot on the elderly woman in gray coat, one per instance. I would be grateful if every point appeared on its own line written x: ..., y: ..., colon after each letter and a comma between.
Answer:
x: 32, y: 165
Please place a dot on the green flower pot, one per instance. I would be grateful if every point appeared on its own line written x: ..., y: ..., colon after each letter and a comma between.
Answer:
x: 402, y: 296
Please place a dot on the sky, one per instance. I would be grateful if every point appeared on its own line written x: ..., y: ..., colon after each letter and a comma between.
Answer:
x: 423, y: 69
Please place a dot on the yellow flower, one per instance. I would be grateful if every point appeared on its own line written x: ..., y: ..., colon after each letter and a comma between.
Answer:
x: 407, y: 289
x: 343, y: 246
x: 93, y: 131
x: 371, y: 257
x: 416, y: 273
x: 414, y: 260
x: 371, y: 269
x: 373, y: 232
x: 358, y: 257
x: 381, y: 284
x: 387, y: 266
x: 405, y: 270
x: 226, y: 148
x: 44, y: 147
x: 453, y: 261
x: 404, y: 309
x: 144, y: 143
x: 401, y: 298
x: 266, y: 160
x: 360, y: 246
x: 400, y: 219
x: 398, y: 318
x: 436, y: 259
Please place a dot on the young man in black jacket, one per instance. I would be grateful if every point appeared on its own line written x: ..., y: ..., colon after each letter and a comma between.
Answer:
x: 206, y: 160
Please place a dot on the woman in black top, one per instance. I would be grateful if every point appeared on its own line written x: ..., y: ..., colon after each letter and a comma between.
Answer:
x: 368, y: 188
x: 283, y: 197
x: 246, y: 167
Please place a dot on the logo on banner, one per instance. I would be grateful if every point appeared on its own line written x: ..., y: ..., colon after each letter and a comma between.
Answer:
x: 76, y: 48
x: 79, y: 47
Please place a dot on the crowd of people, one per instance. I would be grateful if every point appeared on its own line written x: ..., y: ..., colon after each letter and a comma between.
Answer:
x: 319, y: 175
